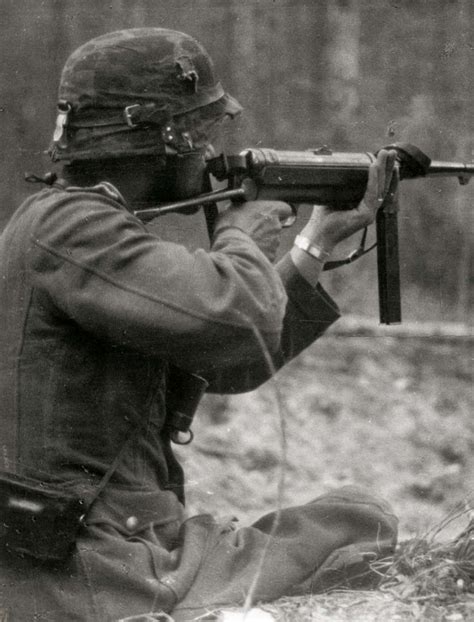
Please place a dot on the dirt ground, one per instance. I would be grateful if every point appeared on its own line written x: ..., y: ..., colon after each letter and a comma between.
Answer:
x: 391, y: 411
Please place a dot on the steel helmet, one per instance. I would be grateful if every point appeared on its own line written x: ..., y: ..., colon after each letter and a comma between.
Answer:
x: 119, y: 94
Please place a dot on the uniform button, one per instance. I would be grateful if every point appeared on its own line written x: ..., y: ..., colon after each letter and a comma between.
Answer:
x: 131, y: 522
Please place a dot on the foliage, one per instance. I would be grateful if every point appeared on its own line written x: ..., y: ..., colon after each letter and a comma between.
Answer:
x: 433, y: 573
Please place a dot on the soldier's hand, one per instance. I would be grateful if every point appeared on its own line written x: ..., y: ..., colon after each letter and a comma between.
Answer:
x: 261, y: 220
x: 327, y: 227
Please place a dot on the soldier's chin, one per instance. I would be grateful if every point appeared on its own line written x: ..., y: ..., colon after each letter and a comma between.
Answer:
x: 186, y: 188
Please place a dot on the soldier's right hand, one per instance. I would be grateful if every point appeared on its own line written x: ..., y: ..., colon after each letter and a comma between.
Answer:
x: 261, y: 220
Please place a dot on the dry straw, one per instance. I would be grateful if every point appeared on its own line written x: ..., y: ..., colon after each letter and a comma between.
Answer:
x: 433, y: 573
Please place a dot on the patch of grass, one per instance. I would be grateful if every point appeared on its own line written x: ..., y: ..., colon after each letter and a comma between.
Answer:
x: 439, y: 576
x: 340, y: 606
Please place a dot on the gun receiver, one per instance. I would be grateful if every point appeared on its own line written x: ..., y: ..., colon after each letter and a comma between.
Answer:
x: 321, y: 176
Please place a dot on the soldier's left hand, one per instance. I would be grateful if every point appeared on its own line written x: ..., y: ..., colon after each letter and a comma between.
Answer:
x: 327, y: 227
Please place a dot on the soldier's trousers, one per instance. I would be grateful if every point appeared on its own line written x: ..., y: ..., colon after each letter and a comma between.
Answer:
x: 193, y: 567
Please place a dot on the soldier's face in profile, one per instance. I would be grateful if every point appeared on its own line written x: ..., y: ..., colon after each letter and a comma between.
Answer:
x: 184, y: 175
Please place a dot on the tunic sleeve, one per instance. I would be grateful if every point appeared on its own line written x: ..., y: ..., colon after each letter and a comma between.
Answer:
x: 309, y: 312
x: 101, y: 269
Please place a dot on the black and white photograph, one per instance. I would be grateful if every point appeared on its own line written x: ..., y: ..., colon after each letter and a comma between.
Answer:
x: 236, y: 311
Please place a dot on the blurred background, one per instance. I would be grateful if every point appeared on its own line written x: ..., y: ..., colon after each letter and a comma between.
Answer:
x: 353, y: 75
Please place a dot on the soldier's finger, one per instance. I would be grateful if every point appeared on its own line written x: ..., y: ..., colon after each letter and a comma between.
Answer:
x: 281, y: 210
x: 372, y: 193
x: 389, y: 168
x: 381, y: 167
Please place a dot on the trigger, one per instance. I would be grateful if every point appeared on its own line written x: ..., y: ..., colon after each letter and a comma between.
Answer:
x: 290, y: 221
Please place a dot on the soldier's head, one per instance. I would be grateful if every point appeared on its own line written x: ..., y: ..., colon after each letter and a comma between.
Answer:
x: 140, y: 93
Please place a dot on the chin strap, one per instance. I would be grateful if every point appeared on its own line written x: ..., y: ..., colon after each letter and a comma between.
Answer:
x: 360, y: 251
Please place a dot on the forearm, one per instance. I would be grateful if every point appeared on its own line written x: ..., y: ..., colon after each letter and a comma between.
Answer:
x: 309, y: 312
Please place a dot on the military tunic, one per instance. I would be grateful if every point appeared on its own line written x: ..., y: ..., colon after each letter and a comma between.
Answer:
x: 95, y: 312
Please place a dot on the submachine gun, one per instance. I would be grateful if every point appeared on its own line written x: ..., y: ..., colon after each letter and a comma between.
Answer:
x: 323, y: 177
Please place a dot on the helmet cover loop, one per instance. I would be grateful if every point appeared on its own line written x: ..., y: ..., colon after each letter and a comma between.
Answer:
x: 187, y: 71
x: 145, y: 114
x: 64, y: 108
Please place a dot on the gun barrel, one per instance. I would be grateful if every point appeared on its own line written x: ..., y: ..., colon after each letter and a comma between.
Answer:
x: 461, y: 170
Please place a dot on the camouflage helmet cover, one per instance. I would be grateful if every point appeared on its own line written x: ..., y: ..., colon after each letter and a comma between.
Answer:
x: 118, y: 91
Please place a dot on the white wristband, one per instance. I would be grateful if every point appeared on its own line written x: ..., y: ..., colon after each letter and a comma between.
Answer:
x: 305, y: 245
